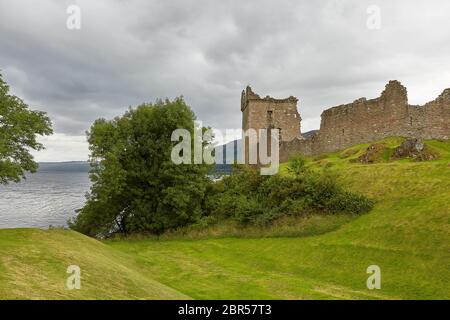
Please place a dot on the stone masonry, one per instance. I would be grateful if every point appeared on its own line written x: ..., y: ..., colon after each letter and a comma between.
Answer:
x: 343, y: 126
x: 269, y: 113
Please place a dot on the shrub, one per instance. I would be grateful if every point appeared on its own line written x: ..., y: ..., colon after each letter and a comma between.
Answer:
x: 345, y: 201
x: 297, y: 165
x: 249, y: 198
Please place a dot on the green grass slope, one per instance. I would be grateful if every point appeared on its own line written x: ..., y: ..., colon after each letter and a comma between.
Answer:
x: 33, y: 265
x: 407, y: 235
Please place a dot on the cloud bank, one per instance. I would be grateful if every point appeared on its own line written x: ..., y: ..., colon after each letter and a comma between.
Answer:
x: 129, y: 52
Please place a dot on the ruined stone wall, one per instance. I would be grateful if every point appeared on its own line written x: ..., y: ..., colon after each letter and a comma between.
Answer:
x: 265, y: 113
x: 298, y: 146
x: 269, y: 113
x: 435, y: 117
x: 365, y: 120
x: 343, y: 126
x: 368, y: 120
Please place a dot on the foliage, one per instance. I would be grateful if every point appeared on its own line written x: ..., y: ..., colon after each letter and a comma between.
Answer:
x: 136, y: 186
x: 249, y: 197
x: 19, y: 128
x: 297, y: 165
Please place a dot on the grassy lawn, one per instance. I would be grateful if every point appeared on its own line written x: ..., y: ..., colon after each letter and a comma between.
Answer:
x: 407, y: 234
x: 33, y: 265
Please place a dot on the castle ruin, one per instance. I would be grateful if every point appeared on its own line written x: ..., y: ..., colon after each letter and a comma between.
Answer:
x: 361, y: 121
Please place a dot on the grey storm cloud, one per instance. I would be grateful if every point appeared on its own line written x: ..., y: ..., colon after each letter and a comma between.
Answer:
x: 130, y: 52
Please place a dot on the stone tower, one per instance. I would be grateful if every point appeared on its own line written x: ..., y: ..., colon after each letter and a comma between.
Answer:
x: 270, y: 113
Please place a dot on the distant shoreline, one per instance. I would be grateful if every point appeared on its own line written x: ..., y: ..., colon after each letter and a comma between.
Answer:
x: 66, y: 166
x: 60, y: 162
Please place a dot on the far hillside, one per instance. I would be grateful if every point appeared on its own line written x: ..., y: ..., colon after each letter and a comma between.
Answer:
x: 70, y: 166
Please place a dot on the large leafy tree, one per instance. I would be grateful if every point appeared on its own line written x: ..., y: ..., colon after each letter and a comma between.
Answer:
x: 19, y: 128
x: 136, y: 187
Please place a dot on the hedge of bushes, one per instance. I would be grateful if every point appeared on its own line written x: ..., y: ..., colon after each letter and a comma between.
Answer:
x: 248, y: 197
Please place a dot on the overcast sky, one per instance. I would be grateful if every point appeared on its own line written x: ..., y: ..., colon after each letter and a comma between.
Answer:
x: 129, y: 52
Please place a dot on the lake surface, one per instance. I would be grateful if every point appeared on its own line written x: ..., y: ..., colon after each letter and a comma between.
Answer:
x: 46, y: 198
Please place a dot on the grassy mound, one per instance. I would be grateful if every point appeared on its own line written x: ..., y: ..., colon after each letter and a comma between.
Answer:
x: 33, y: 265
x: 387, y: 151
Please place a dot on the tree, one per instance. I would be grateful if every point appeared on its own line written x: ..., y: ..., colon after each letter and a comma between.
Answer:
x: 136, y: 187
x: 19, y: 128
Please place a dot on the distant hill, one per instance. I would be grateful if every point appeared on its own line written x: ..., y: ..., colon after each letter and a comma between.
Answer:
x: 71, y: 166
x: 310, y: 134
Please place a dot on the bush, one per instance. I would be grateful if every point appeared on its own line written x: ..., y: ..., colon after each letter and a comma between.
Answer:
x: 249, y: 198
x: 297, y: 165
x: 350, y: 203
